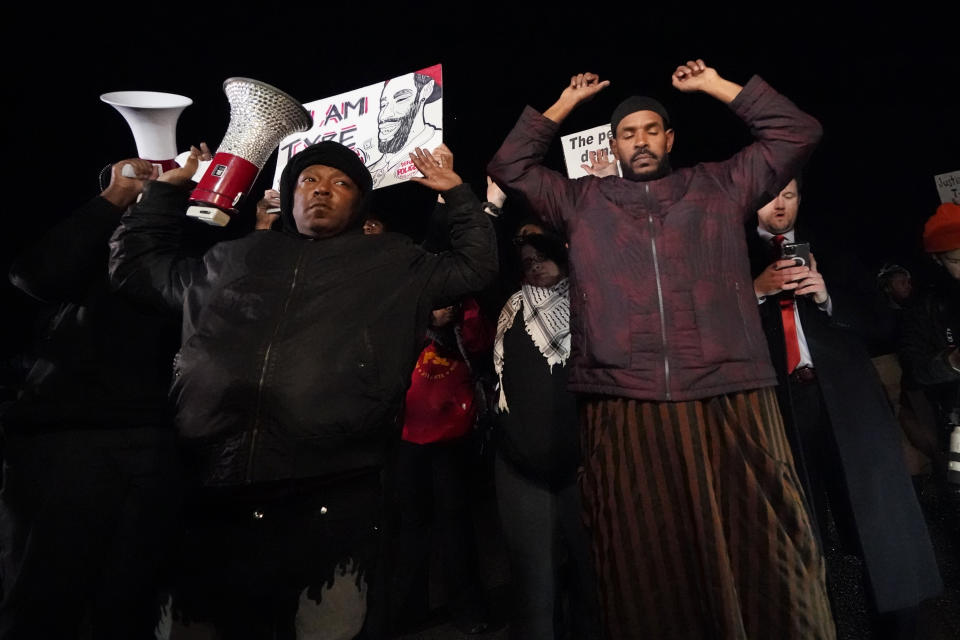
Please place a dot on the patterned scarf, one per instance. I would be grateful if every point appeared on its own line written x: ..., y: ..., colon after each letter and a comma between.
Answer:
x: 546, y: 316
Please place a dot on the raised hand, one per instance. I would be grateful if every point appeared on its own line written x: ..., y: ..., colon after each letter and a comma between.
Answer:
x: 693, y: 76
x: 444, y: 156
x: 181, y: 176
x: 600, y: 164
x: 495, y: 194
x: 127, y: 178
x: 582, y: 87
x: 437, y: 174
x: 268, y: 209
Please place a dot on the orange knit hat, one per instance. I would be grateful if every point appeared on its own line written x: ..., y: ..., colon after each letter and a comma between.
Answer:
x: 942, y: 231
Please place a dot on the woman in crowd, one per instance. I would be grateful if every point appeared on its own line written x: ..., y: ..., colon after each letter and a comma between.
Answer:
x: 538, y: 452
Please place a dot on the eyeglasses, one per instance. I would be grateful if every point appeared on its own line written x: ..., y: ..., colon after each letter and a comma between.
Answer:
x: 537, y: 258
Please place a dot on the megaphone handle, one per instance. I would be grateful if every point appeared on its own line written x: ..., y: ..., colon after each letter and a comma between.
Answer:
x: 226, y: 180
x: 127, y: 171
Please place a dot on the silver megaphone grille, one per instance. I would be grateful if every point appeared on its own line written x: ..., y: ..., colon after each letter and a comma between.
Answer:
x: 260, y: 117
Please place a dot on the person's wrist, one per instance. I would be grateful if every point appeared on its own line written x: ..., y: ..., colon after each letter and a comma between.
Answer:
x: 118, y: 196
x: 491, y: 208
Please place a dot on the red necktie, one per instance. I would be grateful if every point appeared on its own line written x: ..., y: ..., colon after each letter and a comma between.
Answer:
x: 789, y: 322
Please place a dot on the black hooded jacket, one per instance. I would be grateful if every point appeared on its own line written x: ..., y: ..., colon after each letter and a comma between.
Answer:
x: 296, y: 353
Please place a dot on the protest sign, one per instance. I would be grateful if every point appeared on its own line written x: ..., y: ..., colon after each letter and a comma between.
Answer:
x: 948, y: 186
x: 382, y: 123
x: 577, y: 148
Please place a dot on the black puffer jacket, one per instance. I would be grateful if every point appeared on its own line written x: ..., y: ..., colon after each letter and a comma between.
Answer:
x: 296, y: 353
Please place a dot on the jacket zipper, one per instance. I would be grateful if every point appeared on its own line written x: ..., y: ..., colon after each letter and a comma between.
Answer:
x: 663, y: 318
x: 263, y: 368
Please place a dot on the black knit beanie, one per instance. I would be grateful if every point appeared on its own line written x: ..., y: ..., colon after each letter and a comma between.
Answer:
x: 327, y: 153
x: 634, y: 104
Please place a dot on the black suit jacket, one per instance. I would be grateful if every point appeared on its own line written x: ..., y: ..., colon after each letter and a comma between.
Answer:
x: 901, y: 566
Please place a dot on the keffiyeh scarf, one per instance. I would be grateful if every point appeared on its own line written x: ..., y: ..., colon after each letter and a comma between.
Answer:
x: 546, y: 316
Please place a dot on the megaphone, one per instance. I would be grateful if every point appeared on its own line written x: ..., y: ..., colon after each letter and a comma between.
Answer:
x: 260, y: 117
x: 152, y: 117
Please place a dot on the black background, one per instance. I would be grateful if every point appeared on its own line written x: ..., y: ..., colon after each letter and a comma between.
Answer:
x: 884, y: 83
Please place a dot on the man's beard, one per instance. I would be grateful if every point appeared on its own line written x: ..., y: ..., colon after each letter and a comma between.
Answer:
x: 394, y: 144
x: 663, y: 168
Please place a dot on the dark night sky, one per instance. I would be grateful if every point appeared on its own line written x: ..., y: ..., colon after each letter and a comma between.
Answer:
x: 884, y: 84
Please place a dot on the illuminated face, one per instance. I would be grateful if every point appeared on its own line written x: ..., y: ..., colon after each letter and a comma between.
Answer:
x: 641, y: 145
x: 538, y: 270
x: 780, y: 214
x: 443, y: 317
x: 400, y: 104
x: 325, y: 201
x: 950, y: 260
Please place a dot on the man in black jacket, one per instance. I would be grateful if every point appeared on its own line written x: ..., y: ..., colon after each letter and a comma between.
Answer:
x: 297, y: 349
x: 845, y: 440
x: 90, y: 503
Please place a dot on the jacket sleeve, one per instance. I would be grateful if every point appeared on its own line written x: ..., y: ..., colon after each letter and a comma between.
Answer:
x: 922, y: 351
x: 146, y: 263
x: 471, y: 263
x: 518, y: 165
x: 784, y: 139
x: 72, y: 255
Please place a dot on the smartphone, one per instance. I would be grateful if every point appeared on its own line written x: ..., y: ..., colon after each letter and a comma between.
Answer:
x: 797, y: 251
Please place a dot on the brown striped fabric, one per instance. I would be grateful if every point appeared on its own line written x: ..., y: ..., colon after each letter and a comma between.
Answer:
x: 697, y: 521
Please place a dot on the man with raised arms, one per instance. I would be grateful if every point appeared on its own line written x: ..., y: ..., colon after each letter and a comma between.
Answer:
x: 694, y: 508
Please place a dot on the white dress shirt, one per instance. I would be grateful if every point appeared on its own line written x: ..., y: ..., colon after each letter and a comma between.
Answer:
x: 806, y: 360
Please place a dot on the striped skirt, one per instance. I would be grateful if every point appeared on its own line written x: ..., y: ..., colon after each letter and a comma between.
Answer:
x: 697, y: 521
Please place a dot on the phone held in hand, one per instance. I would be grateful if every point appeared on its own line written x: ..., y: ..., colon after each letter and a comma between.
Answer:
x: 796, y: 251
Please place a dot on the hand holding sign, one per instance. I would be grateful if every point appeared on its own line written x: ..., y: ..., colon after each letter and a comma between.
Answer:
x: 600, y: 165
x: 268, y: 209
x: 437, y: 171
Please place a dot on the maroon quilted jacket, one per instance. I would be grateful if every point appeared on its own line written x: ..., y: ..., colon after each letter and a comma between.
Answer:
x: 662, y: 299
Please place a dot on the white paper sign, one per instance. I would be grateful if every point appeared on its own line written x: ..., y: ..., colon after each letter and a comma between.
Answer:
x: 948, y: 186
x: 577, y: 148
x: 382, y: 123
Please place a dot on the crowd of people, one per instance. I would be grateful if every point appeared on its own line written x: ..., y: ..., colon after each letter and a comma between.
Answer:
x: 269, y: 436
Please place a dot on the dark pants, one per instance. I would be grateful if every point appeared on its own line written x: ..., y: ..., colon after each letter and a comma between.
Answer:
x: 268, y: 560
x: 542, y: 527
x: 88, y: 519
x: 433, y: 493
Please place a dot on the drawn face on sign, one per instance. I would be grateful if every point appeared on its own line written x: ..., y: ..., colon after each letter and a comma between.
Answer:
x: 401, y: 105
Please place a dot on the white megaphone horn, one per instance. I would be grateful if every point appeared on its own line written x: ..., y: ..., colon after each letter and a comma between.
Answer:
x: 260, y: 117
x: 152, y: 117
